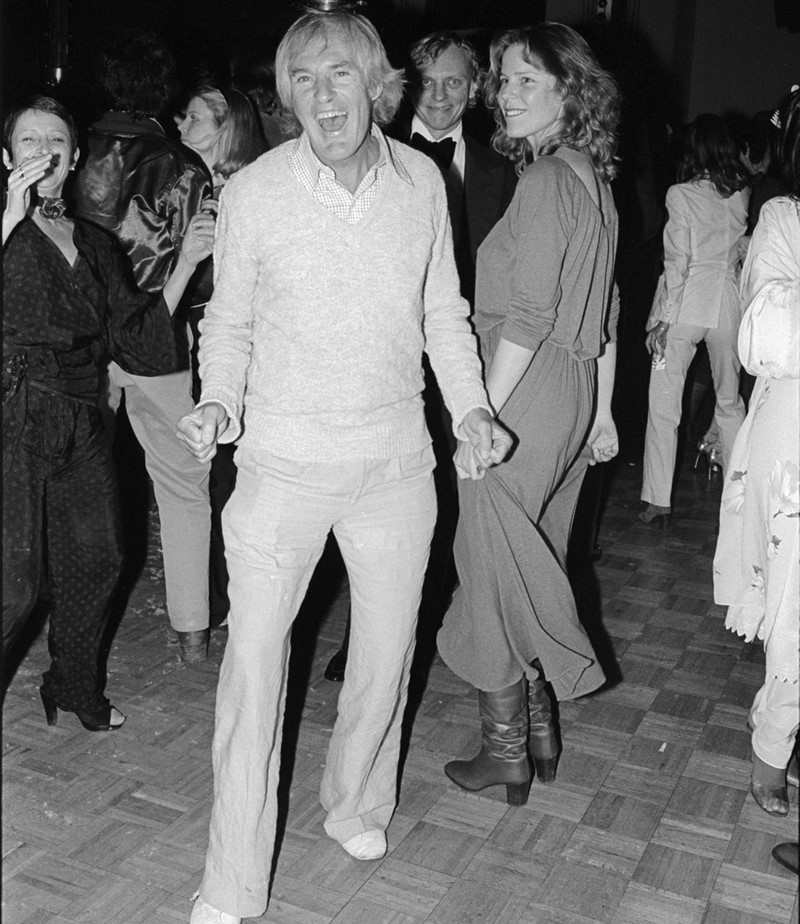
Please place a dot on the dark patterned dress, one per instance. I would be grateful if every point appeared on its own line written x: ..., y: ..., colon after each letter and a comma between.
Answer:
x: 60, y: 508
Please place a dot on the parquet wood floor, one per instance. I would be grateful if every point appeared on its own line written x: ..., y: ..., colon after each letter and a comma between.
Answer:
x: 649, y: 821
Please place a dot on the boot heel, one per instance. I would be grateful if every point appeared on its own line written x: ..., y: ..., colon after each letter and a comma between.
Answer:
x: 50, y: 708
x: 517, y: 793
x: 545, y: 769
x: 542, y: 738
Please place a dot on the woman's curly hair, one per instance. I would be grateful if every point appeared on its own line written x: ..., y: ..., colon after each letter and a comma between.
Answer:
x: 591, y: 102
x: 709, y: 152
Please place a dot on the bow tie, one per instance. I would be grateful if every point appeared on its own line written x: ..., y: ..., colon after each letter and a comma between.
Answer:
x: 440, y: 151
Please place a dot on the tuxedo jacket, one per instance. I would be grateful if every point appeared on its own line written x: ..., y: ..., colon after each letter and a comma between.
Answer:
x: 489, y: 183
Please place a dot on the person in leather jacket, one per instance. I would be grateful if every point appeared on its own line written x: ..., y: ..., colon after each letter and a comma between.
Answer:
x: 145, y: 189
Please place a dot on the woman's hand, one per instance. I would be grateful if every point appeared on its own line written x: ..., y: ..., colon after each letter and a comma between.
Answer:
x: 487, y: 443
x: 20, y: 181
x: 468, y: 462
x: 656, y: 340
x: 603, y: 440
x: 198, y: 242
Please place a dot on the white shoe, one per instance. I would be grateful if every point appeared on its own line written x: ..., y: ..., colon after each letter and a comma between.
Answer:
x: 371, y: 845
x: 203, y: 913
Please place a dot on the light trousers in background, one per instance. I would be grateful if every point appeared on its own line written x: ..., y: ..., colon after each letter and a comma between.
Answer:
x: 775, y: 718
x: 666, y: 396
x: 382, y: 513
x: 155, y: 405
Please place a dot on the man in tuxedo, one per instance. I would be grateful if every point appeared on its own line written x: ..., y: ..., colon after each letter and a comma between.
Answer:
x: 444, y: 81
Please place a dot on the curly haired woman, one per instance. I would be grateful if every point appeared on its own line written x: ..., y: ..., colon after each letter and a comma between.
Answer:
x: 545, y: 314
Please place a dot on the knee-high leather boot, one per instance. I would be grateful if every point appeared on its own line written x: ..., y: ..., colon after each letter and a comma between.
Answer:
x: 542, y: 740
x: 503, y: 757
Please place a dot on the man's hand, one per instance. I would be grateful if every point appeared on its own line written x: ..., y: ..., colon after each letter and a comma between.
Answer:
x: 486, y: 444
x: 200, y: 430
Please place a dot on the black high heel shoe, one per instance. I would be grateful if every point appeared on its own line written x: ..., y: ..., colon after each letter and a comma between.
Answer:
x: 336, y: 666
x: 712, y: 456
x: 91, y: 721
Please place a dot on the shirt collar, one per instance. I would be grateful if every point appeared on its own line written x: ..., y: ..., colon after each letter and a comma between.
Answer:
x: 303, y: 151
x: 419, y: 127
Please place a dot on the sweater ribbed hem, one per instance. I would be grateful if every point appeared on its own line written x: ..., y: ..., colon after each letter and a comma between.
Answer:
x: 309, y: 439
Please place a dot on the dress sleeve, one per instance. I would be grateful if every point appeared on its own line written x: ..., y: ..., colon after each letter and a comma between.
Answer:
x: 769, y: 335
x: 541, y: 220
x: 677, y: 243
x: 140, y: 333
x: 449, y: 340
x: 226, y: 340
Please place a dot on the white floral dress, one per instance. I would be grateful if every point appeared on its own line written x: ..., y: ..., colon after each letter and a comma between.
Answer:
x: 757, y: 562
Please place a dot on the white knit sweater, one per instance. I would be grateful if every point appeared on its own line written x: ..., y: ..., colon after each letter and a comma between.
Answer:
x: 314, y: 336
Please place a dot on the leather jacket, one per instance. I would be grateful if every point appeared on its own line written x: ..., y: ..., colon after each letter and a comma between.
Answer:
x: 143, y: 188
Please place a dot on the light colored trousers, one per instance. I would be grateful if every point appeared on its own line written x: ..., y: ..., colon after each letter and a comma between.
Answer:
x: 774, y: 718
x: 155, y: 405
x: 275, y: 526
x: 666, y: 396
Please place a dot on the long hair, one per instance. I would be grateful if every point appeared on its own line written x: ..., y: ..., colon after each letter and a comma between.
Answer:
x: 709, y: 153
x: 369, y: 56
x: 138, y: 73
x: 590, y: 111
x: 40, y: 103
x: 789, y: 145
x: 241, y: 139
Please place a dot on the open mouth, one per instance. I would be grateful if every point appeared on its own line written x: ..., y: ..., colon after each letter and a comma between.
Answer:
x: 332, y: 121
x: 512, y: 113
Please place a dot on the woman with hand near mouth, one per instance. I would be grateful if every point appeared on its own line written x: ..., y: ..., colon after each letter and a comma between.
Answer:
x: 69, y: 306
x: 545, y: 315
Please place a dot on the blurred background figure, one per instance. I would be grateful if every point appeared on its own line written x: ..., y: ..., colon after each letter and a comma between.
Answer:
x: 145, y: 189
x: 757, y: 566
x: 696, y: 299
x: 257, y: 80
x: 221, y: 126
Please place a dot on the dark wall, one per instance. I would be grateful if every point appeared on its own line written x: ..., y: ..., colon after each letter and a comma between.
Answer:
x: 205, y: 33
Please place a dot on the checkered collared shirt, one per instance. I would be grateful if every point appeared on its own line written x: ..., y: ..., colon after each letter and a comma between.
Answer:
x: 321, y: 182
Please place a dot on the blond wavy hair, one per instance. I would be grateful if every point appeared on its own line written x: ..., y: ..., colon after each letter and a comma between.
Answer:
x: 316, y: 29
x: 590, y: 111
